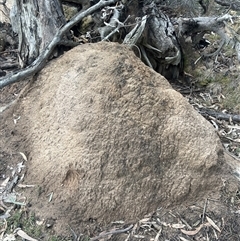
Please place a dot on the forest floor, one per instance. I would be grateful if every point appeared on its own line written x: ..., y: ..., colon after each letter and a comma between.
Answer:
x: 213, y: 219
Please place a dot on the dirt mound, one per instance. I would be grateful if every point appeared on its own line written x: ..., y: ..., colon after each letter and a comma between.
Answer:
x: 110, y: 139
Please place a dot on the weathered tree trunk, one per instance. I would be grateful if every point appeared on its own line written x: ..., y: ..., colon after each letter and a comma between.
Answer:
x: 161, y: 35
x: 157, y: 45
x: 36, y: 23
x: 41, y: 26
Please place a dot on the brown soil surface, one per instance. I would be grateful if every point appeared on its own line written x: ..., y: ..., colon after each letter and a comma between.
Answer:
x: 109, y: 139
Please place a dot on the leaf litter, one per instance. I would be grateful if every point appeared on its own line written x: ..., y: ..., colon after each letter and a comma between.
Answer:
x: 168, y: 225
x: 184, y: 223
x: 10, y: 198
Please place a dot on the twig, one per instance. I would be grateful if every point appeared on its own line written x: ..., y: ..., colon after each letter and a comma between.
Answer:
x: 219, y: 115
x: 112, y: 26
x: 40, y: 62
x: 204, y: 210
x: 75, y: 237
x: 119, y: 25
x: 158, y: 235
x: 217, y: 51
x: 9, y: 65
x: 112, y: 232
x: 145, y: 57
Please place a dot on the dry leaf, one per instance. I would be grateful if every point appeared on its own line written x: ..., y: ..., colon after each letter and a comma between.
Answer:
x: 139, y: 236
x: 9, y: 237
x: 50, y: 197
x: 234, y: 127
x: 145, y: 220
x: 178, y: 225
x: 215, y: 234
x: 118, y: 222
x: 23, y: 156
x: 183, y: 239
x: 5, y: 215
x: 165, y: 224
x: 213, y: 224
x: 1, y: 207
x: 5, y: 182
x: 10, y: 198
x: 16, y: 119
x: 25, y: 185
x: 39, y: 223
x: 192, y: 232
x: 25, y: 236
x: 156, y: 226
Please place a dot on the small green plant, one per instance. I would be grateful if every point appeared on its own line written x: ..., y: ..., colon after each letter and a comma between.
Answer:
x: 27, y: 222
x: 14, y: 220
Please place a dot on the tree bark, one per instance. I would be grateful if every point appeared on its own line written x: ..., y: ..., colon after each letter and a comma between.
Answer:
x: 161, y: 35
x: 43, y: 57
x: 158, y: 45
x: 41, y: 27
x: 36, y: 23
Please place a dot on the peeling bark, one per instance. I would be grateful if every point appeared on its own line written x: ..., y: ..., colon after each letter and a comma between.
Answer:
x: 157, y: 43
x: 41, y: 27
x: 36, y: 23
x: 161, y: 35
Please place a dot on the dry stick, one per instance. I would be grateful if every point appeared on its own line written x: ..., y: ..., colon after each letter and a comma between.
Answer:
x: 111, y: 233
x: 219, y: 115
x: 40, y: 62
x: 8, y: 65
x: 158, y: 235
x: 204, y: 210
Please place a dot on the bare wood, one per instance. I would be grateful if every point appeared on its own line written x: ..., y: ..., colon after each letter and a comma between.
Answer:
x: 8, y: 65
x: 36, y: 23
x: 191, y: 26
x: 198, y: 24
x: 232, y: 5
x: 42, y: 59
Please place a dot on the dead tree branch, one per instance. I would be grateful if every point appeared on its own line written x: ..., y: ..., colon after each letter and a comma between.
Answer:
x: 232, y: 5
x: 41, y: 61
x: 155, y: 39
x: 202, y: 23
x: 219, y: 115
x: 194, y: 26
x: 114, y: 25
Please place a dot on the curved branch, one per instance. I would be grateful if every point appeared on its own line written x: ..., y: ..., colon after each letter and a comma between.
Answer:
x: 195, y: 25
x: 40, y: 62
x: 191, y: 26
